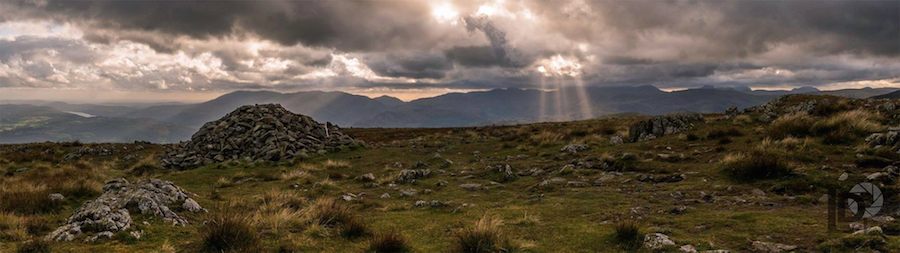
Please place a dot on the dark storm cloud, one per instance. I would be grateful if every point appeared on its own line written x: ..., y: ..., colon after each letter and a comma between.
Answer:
x: 410, y: 64
x: 345, y: 25
x: 665, y: 43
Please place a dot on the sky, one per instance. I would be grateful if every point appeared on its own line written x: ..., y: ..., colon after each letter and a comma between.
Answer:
x: 142, y: 50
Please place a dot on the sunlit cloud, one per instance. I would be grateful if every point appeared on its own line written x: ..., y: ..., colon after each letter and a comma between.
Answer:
x: 559, y: 66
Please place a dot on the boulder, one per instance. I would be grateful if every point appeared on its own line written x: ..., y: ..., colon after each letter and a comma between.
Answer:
x: 662, y: 125
x: 771, y: 247
x: 110, y: 213
x: 657, y: 241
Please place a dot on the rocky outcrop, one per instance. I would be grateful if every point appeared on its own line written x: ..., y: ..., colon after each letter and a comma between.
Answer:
x: 662, y: 125
x: 886, y: 139
x: 256, y: 132
x: 110, y: 213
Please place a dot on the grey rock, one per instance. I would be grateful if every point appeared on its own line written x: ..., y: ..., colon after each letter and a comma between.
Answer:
x: 687, y: 249
x: 56, y: 197
x: 110, y: 212
x: 616, y: 140
x: 770, y: 247
x: 662, y: 125
x: 574, y: 148
x: 368, y: 177
x: 410, y: 176
x: 471, y: 187
x: 657, y: 241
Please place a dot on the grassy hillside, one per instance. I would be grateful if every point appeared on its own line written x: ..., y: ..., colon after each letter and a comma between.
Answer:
x: 744, y: 180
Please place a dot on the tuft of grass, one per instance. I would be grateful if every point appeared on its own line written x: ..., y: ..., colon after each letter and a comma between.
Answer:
x: 847, y: 127
x: 35, y: 246
x: 37, y: 226
x: 485, y: 236
x: 628, y: 235
x: 754, y: 166
x: 328, y: 212
x: 335, y: 164
x: 794, y: 124
x: 12, y: 227
x: 546, y: 138
x: 227, y: 231
x: 354, y: 228
x: 391, y: 241
x: 28, y: 200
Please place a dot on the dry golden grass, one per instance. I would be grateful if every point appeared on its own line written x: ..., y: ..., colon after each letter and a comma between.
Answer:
x: 545, y: 138
x: 167, y: 247
x: 335, y: 164
x: 794, y: 124
x: 279, y: 210
x: 485, y: 236
x: 294, y: 175
x: 12, y: 227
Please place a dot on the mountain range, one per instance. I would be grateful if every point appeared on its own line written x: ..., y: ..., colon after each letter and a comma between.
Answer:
x: 34, y: 121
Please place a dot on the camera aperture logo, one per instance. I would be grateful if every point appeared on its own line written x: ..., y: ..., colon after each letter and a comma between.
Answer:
x: 864, y: 200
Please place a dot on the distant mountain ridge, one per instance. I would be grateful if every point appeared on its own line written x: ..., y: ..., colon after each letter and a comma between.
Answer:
x: 174, y: 122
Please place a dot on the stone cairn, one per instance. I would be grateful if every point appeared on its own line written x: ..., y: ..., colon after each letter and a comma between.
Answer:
x: 662, y: 125
x: 265, y: 132
x: 103, y: 217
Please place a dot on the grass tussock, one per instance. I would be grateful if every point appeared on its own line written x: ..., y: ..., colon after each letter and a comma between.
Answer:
x: 12, y: 227
x: 794, y: 124
x: 391, y: 241
x: 279, y: 210
x: 847, y: 127
x: 485, y: 236
x: 755, y: 165
x: 628, y: 235
x: 546, y: 138
x: 329, y: 213
x: 27, y: 199
x: 335, y: 164
x: 228, y: 231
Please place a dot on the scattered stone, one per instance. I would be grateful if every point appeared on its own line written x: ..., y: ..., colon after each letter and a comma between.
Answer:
x: 408, y: 193
x: 431, y: 204
x: 876, y: 230
x: 410, y: 176
x: 348, y: 197
x: 368, y: 177
x: 770, y: 247
x: 843, y: 176
x: 661, y: 179
x: 256, y: 132
x: 441, y: 183
x: 471, y: 187
x: 553, y: 181
x: 657, y: 241
x: 574, y: 148
x: 688, y: 249
x: 616, y: 140
x: 502, y: 173
x: 678, y: 210
x: 56, y: 197
x: 100, y: 236
x: 662, y: 125
x: 577, y: 184
x: 110, y: 212
x: 137, y: 234
x: 385, y: 196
